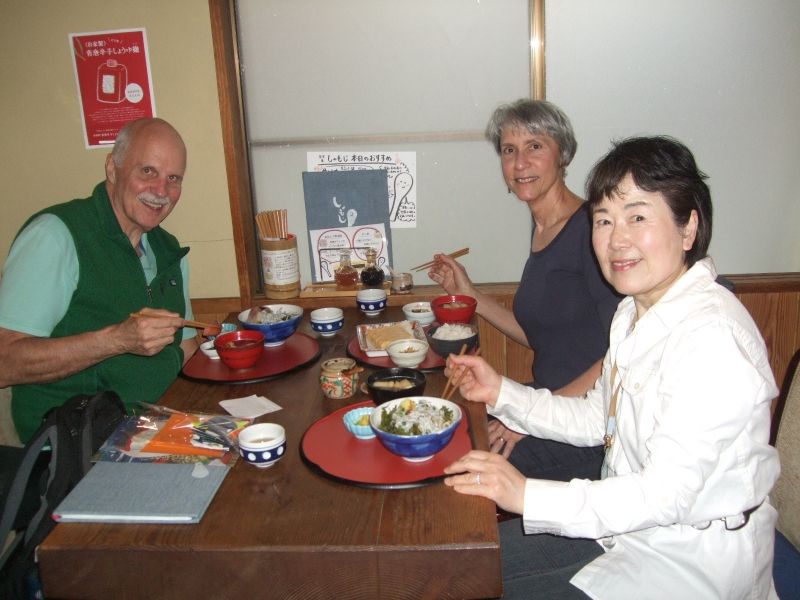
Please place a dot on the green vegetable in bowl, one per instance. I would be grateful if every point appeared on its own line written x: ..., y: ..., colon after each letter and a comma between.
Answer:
x: 415, y: 417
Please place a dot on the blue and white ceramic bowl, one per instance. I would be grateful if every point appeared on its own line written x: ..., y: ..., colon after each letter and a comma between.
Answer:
x: 278, y: 332
x: 415, y: 448
x: 262, y: 444
x: 371, y: 301
x: 351, y: 422
x: 327, y: 321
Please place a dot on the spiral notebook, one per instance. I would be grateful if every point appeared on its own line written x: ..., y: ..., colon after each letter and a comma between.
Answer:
x: 142, y: 493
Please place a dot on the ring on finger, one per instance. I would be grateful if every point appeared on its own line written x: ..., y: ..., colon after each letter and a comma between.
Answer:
x: 477, y: 478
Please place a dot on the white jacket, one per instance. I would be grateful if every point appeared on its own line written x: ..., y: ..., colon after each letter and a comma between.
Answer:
x: 691, y: 446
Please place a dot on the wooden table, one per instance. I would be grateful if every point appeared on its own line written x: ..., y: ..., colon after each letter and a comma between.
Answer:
x: 288, y: 532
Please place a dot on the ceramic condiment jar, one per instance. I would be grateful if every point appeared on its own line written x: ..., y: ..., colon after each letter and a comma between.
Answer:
x: 338, y: 378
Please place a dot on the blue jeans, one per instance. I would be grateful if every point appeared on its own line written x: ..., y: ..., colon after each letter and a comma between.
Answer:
x: 541, y: 565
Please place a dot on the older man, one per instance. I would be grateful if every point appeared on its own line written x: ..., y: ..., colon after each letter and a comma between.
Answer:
x: 77, y: 271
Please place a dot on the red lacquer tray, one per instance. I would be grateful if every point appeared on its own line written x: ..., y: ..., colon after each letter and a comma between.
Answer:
x: 298, y: 351
x: 432, y: 360
x: 336, y: 452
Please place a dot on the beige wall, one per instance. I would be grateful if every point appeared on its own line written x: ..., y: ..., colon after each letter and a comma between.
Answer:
x: 43, y: 159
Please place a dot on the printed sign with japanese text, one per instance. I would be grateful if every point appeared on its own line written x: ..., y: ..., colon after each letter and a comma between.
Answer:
x: 112, y: 71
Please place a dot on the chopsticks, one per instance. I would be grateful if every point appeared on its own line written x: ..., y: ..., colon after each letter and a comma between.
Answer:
x: 449, y: 391
x: 430, y: 263
x: 273, y: 224
x: 186, y: 323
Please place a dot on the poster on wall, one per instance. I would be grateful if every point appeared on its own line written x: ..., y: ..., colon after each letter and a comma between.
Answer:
x: 112, y: 73
x: 401, y: 171
x: 346, y: 211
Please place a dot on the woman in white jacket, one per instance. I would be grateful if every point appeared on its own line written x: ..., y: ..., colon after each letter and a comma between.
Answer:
x: 683, y: 403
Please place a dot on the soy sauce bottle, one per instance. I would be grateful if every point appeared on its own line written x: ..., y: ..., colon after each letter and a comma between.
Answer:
x: 371, y: 275
x: 345, y: 274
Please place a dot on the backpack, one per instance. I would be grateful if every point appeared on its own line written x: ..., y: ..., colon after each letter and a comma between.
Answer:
x: 55, y: 458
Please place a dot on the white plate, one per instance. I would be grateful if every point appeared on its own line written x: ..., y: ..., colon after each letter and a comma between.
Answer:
x: 361, y: 332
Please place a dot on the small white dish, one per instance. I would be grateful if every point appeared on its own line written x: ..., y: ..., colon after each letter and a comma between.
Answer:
x: 208, y: 349
x: 421, y: 312
x: 408, y: 353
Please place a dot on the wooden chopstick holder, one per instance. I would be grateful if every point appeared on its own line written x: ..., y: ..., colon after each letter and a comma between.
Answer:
x: 430, y: 263
x: 460, y: 377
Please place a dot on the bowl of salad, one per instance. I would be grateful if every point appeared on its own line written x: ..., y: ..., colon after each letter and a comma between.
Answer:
x: 417, y: 427
x: 276, y: 321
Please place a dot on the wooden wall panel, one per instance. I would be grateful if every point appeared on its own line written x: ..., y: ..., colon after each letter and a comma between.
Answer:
x: 777, y: 315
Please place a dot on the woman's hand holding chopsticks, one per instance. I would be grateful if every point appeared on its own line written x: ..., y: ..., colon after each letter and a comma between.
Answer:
x: 451, y: 275
x: 437, y: 258
x: 474, y: 378
x: 481, y: 473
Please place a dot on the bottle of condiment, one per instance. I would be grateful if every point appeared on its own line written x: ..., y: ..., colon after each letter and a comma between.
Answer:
x: 371, y: 275
x: 345, y: 274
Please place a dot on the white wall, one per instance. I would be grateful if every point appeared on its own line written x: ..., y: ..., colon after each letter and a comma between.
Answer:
x: 720, y: 75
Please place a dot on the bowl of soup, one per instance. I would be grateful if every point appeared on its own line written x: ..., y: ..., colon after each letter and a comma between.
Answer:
x: 240, y: 349
x: 395, y: 382
x: 454, y: 308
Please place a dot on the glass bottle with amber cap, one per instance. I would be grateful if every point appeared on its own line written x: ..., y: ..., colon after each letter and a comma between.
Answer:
x: 371, y: 275
x: 345, y: 274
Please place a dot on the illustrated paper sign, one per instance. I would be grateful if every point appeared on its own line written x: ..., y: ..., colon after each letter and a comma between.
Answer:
x: 112, y: 72
x: 346, y: 210
x: 401, y: 169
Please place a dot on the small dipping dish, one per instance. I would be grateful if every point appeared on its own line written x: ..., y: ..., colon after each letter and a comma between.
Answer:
x: 356, y: 421
x: 208, y: 349
x: 407, y: 353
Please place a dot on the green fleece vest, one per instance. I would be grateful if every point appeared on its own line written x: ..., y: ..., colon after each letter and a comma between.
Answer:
x: 111, y: 285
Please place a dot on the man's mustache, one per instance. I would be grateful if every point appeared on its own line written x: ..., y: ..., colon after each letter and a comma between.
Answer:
x: 151, y: 198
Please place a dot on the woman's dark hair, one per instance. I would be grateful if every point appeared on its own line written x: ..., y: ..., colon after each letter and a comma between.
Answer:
x: 537, y: 116
x: 658, y: 164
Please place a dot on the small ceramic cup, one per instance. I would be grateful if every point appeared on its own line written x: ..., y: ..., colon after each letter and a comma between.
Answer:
x: 262, y: 444
x: 371, y: 301
x: 338, y: 378
x: 327, y: 321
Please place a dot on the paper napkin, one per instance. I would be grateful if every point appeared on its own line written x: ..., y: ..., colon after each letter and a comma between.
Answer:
x: 249, y: 407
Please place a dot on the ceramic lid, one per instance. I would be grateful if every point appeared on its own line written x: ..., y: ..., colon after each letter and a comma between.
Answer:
x: 337, y: 365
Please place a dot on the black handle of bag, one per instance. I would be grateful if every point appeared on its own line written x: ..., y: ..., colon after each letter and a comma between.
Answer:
x: 17, y: 490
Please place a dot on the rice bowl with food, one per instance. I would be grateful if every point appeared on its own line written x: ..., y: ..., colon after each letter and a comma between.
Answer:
x: 417, y: 427
x: 452, y: 331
